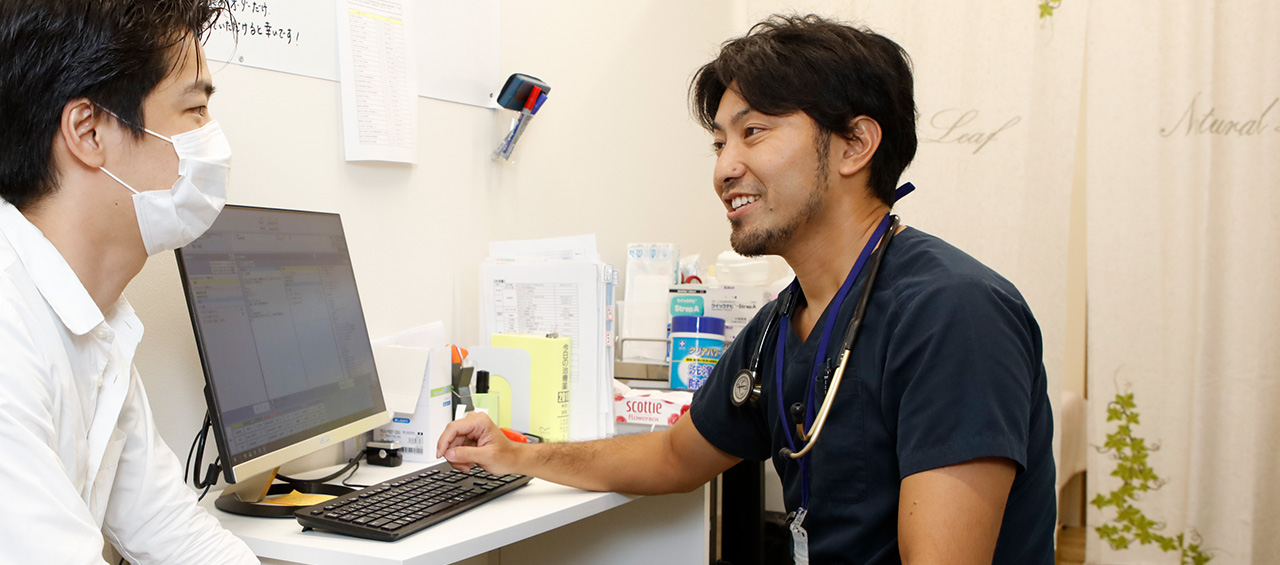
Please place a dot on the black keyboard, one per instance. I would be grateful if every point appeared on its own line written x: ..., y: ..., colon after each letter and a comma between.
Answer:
x: 393, y: 509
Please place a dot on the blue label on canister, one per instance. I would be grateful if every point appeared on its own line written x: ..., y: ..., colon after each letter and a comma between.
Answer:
x: 696, y: 345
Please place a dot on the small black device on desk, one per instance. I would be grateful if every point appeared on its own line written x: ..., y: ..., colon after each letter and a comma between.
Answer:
x: 383, y: 453
x: 393, y: 509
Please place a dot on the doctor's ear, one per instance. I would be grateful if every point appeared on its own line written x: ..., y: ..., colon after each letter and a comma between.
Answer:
x: 81, y: 131
x: 859, y: 145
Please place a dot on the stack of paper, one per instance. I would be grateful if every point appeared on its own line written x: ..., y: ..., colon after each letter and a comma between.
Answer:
x: 558, y: 286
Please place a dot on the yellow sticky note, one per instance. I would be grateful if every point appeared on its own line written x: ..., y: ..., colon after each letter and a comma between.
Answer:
x: 296, y: 498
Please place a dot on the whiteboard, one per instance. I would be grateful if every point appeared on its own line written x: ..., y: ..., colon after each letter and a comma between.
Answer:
x: 292, y: 36
x: 459, y: 43
x: 459, y: 51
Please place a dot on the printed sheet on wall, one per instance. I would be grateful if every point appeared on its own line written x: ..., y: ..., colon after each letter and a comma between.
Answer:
x: 458, y: 43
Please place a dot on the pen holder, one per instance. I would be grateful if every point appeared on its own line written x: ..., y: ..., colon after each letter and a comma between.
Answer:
x: 508, y: 145
x: 524, y: 94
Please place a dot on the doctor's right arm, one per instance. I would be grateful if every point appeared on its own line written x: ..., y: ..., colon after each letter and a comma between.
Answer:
x: 677, y: 459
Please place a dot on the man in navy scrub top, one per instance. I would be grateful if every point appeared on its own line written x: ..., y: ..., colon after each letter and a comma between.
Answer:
x: 936, y: 445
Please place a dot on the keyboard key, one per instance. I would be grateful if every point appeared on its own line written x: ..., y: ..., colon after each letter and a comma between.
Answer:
x: 437, y: 507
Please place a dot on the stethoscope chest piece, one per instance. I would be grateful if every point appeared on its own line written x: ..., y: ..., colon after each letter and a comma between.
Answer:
x: 745, y: 388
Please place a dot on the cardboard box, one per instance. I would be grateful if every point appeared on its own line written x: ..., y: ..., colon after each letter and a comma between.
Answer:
x: 735, y: 305
x: 418, y: 428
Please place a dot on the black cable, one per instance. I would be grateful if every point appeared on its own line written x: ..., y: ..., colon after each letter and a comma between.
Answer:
x: 211, y: 474
x: 352, y: 464
x: 195, y: 471
x: 345, y: 482
x: 197, y: 449
x: 194, y: 441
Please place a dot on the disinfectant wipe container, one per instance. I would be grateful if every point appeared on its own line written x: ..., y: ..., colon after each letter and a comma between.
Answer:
x: 696, y: 344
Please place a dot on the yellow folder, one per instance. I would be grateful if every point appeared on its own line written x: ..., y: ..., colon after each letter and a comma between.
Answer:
x: 549, y: 382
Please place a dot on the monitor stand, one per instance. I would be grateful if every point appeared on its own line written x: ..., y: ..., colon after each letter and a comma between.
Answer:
x: 245, y: 497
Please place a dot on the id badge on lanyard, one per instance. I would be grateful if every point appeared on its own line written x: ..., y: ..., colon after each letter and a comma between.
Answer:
x: 799, y: 536
x: 799, y: 539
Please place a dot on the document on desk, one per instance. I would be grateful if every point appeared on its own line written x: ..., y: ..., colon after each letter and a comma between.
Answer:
x: 378, y: 69
x: 572, y: 298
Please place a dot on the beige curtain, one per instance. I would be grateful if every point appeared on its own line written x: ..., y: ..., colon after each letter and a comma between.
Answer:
x: 1183, y: 173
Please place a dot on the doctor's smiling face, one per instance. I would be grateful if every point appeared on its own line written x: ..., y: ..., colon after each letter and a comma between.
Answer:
x: 784, y: 103
x: 772, y: 174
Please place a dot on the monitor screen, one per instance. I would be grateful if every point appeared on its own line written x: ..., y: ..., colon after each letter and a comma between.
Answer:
x: 281, y: 335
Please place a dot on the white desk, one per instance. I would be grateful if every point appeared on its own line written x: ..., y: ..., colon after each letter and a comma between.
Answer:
x: 539, y: 523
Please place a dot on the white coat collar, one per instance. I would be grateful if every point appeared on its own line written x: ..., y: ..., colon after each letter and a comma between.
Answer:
x: 50, y: 272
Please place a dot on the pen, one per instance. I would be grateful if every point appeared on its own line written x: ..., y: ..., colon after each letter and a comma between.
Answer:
x: 519, y: 437
x: 532, y: 99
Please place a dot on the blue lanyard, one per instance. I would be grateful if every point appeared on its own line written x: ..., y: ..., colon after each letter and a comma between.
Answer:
x: 819, y: 360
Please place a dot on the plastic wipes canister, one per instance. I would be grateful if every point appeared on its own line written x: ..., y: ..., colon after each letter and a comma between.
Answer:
x: 696, y: 345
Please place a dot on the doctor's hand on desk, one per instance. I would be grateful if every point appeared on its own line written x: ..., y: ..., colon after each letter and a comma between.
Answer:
x: 477, y: 440
x: 677, y: 459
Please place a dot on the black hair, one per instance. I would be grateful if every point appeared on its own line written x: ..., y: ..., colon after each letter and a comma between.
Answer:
x: 832, y: 72
x: 112, y: 52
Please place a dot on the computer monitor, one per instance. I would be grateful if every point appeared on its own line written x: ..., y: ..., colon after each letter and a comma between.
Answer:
x: 287, y: 362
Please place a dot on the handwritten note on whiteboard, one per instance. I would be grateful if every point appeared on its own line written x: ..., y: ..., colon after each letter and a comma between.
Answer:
x: 298, y: 37
x: 458, y: 43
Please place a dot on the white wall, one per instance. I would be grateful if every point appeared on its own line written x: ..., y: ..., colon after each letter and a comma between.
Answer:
x: 613, y: 153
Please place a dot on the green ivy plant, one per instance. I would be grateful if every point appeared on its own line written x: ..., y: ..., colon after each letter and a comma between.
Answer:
x: 1047, y: 7
x: 1130, y: 524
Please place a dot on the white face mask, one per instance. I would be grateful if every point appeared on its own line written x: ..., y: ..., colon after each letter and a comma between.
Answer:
x: 172, y: 218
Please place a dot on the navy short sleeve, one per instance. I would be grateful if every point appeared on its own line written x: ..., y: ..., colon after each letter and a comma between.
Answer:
x: 963, y: 359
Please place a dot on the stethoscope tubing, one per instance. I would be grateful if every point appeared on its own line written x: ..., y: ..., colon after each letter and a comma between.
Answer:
x: 810, y: 438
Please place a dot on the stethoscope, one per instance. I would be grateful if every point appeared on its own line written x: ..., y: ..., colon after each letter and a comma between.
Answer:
x: 747, y: 387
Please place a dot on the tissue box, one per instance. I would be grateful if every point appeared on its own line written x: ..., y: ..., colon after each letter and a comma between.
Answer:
x: 651, y: 407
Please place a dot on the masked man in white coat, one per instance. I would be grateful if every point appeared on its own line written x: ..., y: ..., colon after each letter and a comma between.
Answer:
x: 108, y: 154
